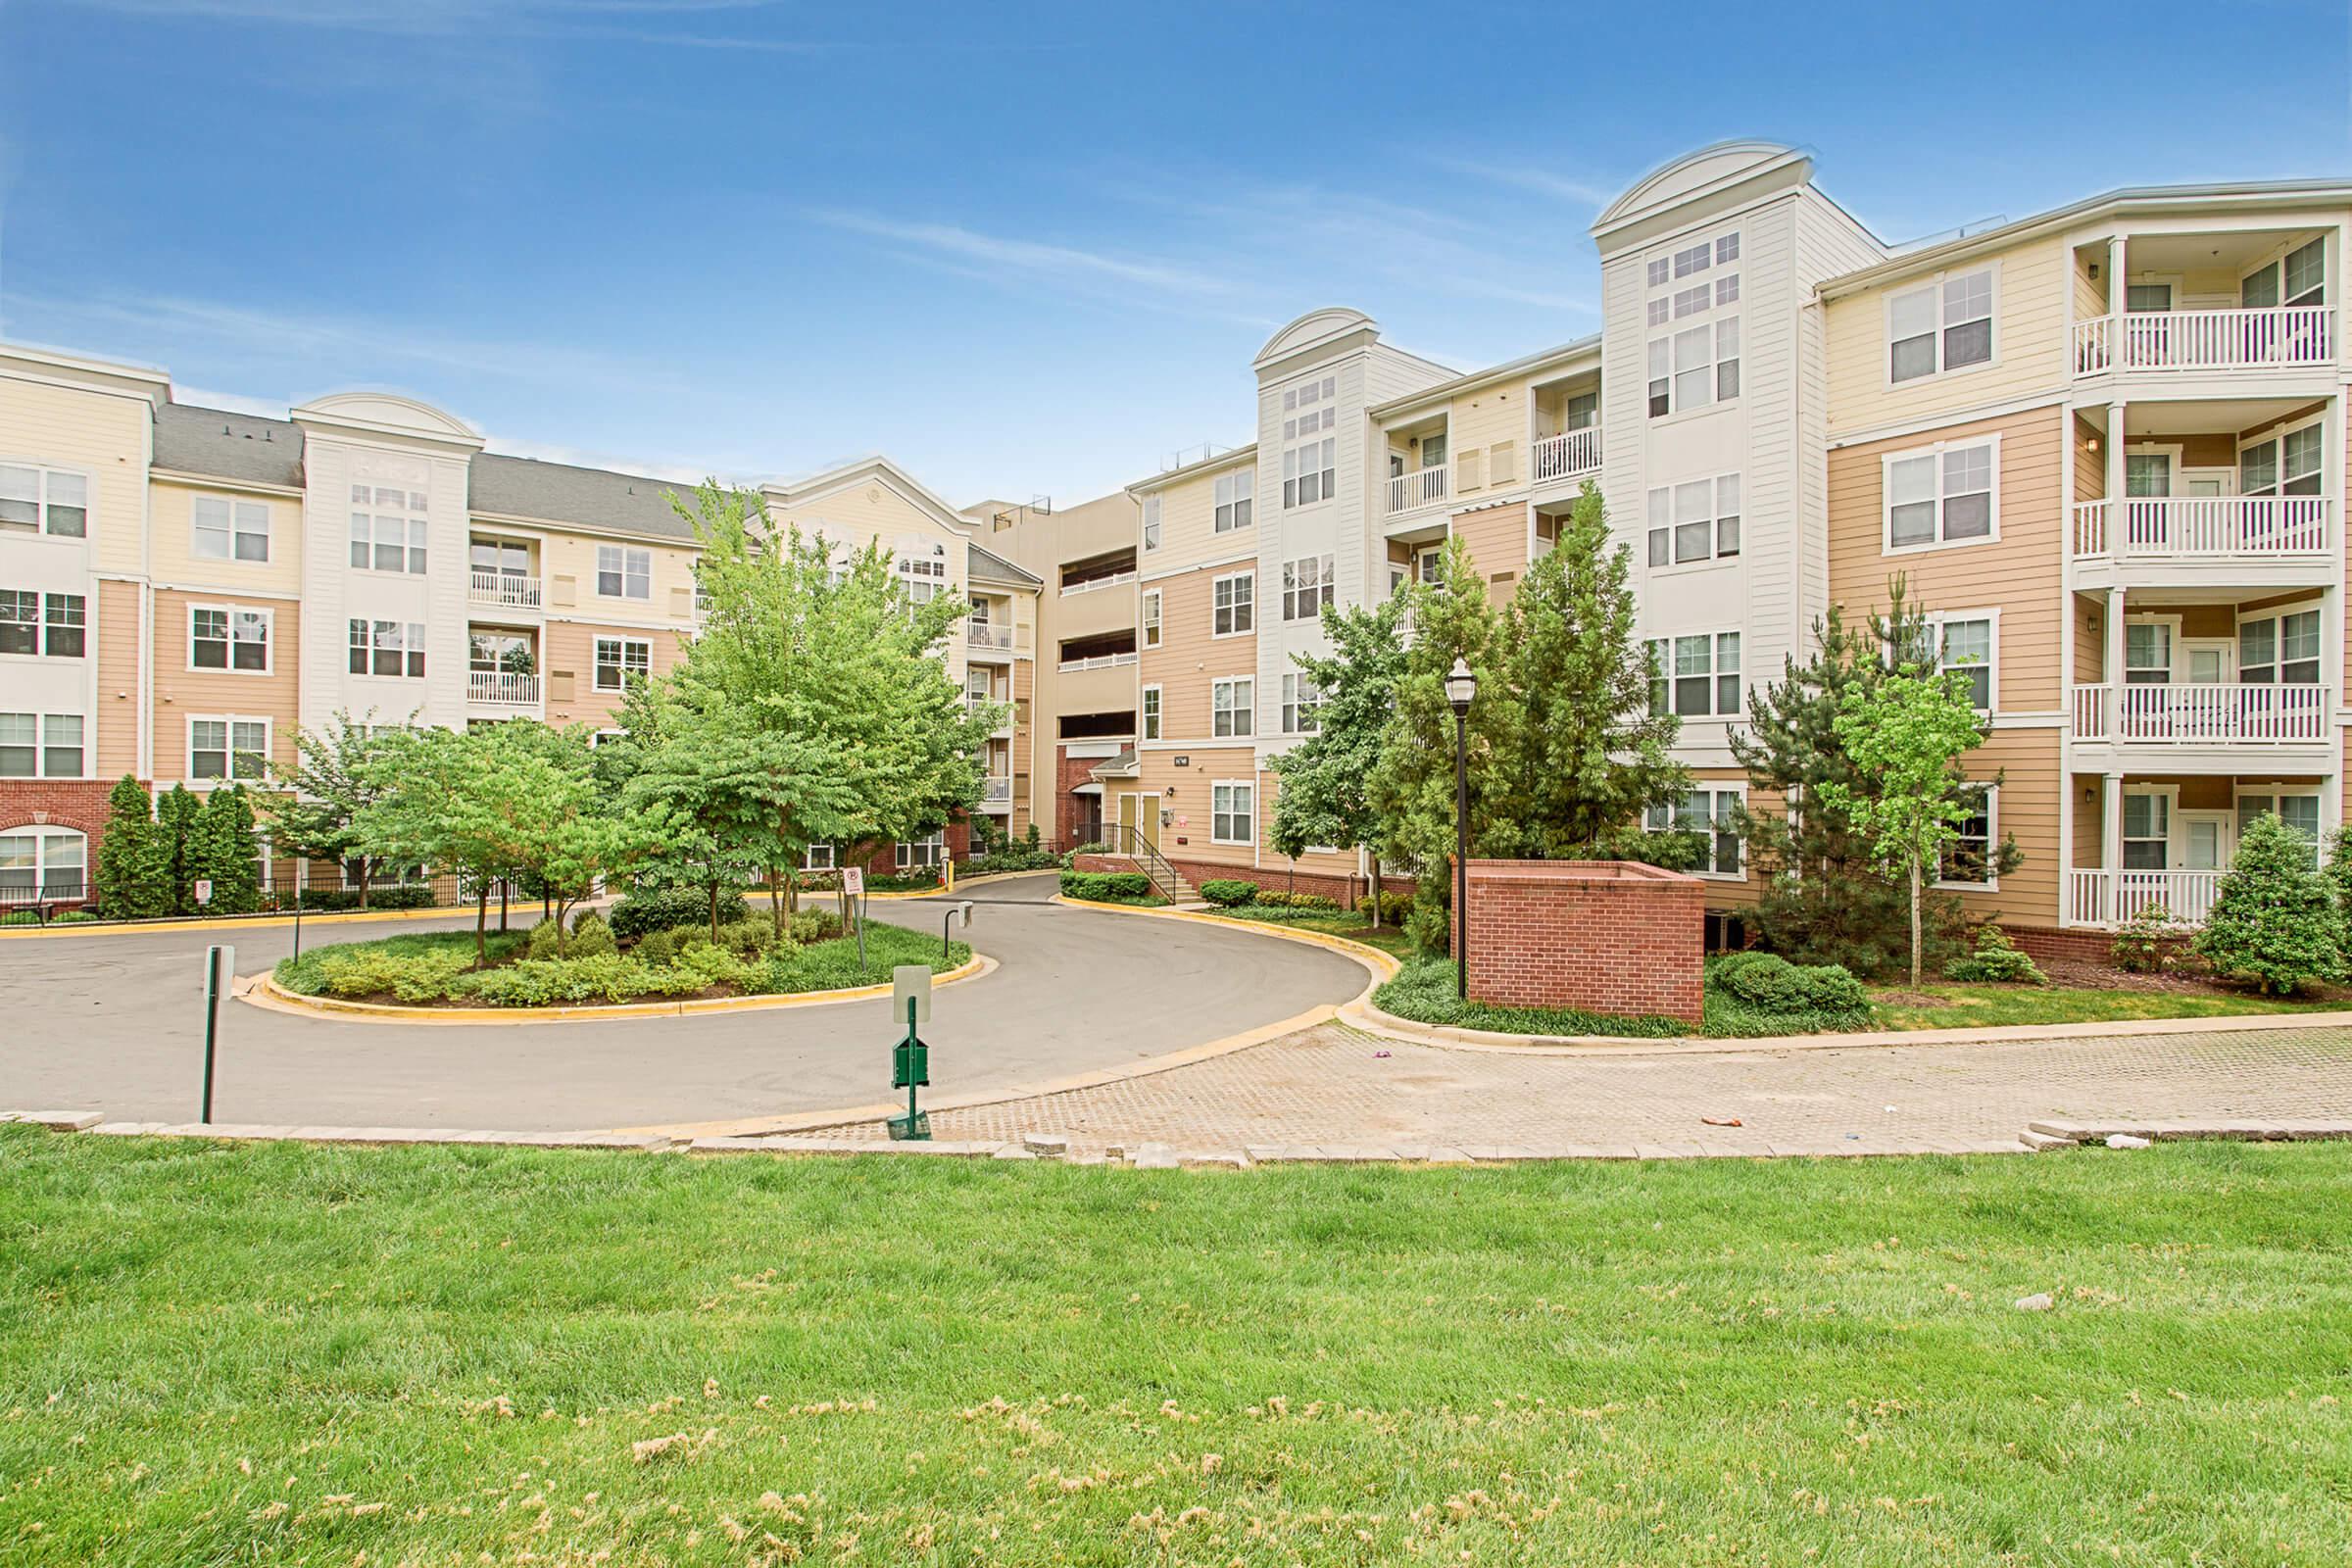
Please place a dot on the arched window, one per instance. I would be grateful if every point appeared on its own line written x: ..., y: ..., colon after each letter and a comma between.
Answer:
x: 44, y: 862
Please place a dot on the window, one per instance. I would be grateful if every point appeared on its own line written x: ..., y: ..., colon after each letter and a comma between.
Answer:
x: 20, y: 621
x: 1694, y: 522
x: 1232, y: 814
x: 1695, y: 676
x: 46, y: 501
x: 1966, y: 646
x: 1694, y: 367
x: 2305, y: 270
x: 41, y: 746
x: 2147, y: 832
x: 1300, y: 702
x: 389, y: 535
x: 2285, y: 465
x: 1694, y: 259
x: 818, y: 857
x: 1231, y: 609
x: 54, y: 624
x: 924, y: 577
x: 1150, y: 522
x: 928, y: 851
x: 2147, y: 652
x: 1309, y: 471
x: 2299, y: 811
x: 1942, y: 496
x: 624, y: 573
x: 222, y: 638
x: 1233, y: 706
x: 1151, y: 601
x: 1967, y: 862
x: 621, y: 662
x: 1945, y: 325
x: 1710, y: 813
x: 1151, y: 714
x: 52, y: 861
x: 387, y: 648
x: 229, y: 749
x: 230, y: 530
x: 1234, y: 491
x: 2282, y: 650
x: 1306, y: 587
x: 61, y: 746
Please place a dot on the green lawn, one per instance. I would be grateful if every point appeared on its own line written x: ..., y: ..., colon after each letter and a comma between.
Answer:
x: 280, y: 1353
x: 1389, y: 938
x: 1964, y: 1006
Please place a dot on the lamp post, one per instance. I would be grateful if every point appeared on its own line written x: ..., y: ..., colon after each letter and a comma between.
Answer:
x: 1461, y: 685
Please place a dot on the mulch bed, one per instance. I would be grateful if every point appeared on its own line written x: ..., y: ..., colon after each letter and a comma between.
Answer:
x: 2188, y: 981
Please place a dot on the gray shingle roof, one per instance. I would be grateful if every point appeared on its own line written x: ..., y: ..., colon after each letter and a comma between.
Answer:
x: 557, y: 492
x: 988, y: 567
x: 228, y: 446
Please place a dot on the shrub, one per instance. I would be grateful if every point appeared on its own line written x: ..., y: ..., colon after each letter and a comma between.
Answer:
x: 913, y: 880
x: 591, y: 938
x: 1998, y: 960
x: 713, y: 965
x: 1105, y: 887
x: 369, y: 969
x: 1765, y: 982
x: 812, y: 925
x: 748, y: 938
x: 647, y: 911
x: 2274, y: 924
x: 662, y: 947
x: 72, y: 917
x: 1228, y: 894
x: 552, y: 982
x: 2148, y: 942
x: 329, y: 898
x: 1280, y: 899
x: 399, y: 896
x: 1394, y: 906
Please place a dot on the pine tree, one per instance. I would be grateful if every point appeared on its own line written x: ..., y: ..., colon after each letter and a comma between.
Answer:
x: 225, y: 852
x: 175, y: 815
x: 133, y: 875
x: 2274, y: 921
x: 1326, y: 796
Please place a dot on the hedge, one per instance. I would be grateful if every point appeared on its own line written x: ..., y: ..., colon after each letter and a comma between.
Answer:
x: 1228, y: 894
x: 1106, y: 886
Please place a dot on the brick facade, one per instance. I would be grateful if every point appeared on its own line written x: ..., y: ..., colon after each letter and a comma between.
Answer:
x: 78, y: 804
x: 1068, y: 773
x: 882, y: 859
x: 2042, y: 944
x: 1601, y: 935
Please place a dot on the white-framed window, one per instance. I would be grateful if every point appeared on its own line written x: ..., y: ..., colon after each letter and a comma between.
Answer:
x: 2148, y: 652
x: 623, y: 573
x: 387, y: 648
x: 1695, y: 676
x: 1694, y: 522
x: 383, y: 874
x: 2286, y: 463
x: 1236, y: 494
x: 1150, y: 522
x: 1970, y: 645
x: 43, y: 745
x: 2147, y: 830
x: 924, y: 576
x: 46, y: 625
x: 388, y: 528
x: 1233, y: 706
x: 50, y: 861
x: 2280, y: 648
x: 1707, y: 810
x: 1946, y: 494
x: 1151, y: 602
x: 1310, y: 471
x: 1148, y: 714
x: 1307, y: 585
x: 38, y: 500
x: 818, y: 857
x: 1941, y: 325
x: 1695, y: 367
x: 1967, y: 862
x: 224, y: 637
x: 1232, y: 606
x: 928, y: 851
x: 223, y: 528
x: 1301, y: 702
x: 1232, y: 812
x: 2298, y: 808
x: 225, y: 748
x: 621, y: 662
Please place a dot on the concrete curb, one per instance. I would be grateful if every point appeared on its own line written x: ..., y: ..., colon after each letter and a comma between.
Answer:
x: 231, y: 922
x: 264, y: 990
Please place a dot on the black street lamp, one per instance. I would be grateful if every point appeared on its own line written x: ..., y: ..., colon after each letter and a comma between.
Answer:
x: 1461, y: 685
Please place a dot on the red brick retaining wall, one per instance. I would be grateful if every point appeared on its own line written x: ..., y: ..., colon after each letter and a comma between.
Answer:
x: 1344, y: 887
x: 1601, y: 935
x: 2043, y: 943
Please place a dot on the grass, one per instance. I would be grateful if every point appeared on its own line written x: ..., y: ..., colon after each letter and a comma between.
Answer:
x: 1424, y: 992
x: 1957, y: 1007
x: 303, y: 975
x: 1390, y: 939
x: 435, y: 1355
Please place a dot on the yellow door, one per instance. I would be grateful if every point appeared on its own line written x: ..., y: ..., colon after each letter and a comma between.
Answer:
x: 1129, y: 816
x: 1148, y: 806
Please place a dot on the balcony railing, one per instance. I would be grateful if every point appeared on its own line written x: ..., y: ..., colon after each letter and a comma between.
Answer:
x: 504, y: 588
x: 2201, y: 714
x: 1090, y: 584
x: 502, y: 688
x: 2274, y: 337
x: 2097, y: 896
x: 1409, y: 490
x: 982, y: 634
x: 2162, y: 527
x: 1566, y: 455
x: 996, y: 790
x: 1098, y: 662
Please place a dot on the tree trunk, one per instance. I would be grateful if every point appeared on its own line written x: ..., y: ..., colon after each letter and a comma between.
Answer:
x: 365, y: 866
x: 1376, y: 891
x: 481, y: 925
x: 1915, y: 922
x: 563, y: 928
x: 775, y: 901
x: 715, y: 910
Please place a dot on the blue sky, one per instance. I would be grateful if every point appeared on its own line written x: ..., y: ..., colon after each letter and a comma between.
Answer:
x: 1022, y: 248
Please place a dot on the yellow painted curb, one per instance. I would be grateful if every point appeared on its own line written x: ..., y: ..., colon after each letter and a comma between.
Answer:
x: 231, y: 922
x: 264, y: 990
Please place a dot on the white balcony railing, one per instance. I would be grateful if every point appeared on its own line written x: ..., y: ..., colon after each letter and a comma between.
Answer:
x: 1566, y: 455
x: 1098, y: 662
x: 502, y: 688
x: 2200, y: 713
x: 2097, y: 896
x: 982, y: 634
x: 503, y: 588
x: 1409, y: 490
x: 1091, y: 583
x: 2163, y: 527
x: 996, y: 790
x: 2269, y: 338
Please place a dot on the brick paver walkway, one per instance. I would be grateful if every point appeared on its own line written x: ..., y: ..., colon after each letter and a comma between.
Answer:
x: 1332, y: 1085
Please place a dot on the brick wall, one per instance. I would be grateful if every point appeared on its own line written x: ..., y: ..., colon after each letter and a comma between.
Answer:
x: 882, y: 859
x: 2043, y: 943
x: 1068, y: 773
x: 58, y: 803
x: 1346, y: 890
x: 1602, y: 936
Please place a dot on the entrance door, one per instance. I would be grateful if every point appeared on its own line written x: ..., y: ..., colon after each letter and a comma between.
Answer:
x: 1130, y: 819
x: 2205, y: 840
x: 1148, y: 806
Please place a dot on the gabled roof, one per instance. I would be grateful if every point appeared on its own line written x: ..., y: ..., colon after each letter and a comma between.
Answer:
x: 237, y: 447
x: 986, y: 565
x: 559, y: 493
x: 873, y: 468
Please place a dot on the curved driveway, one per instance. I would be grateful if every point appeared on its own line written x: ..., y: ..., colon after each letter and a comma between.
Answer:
x: 116, y: 1023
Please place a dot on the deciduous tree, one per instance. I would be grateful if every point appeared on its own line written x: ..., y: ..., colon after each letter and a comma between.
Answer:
x: 1326, y: 795
x: 327, y: 787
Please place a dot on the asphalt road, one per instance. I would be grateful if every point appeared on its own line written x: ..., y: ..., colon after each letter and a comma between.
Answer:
x: 114, y: 1023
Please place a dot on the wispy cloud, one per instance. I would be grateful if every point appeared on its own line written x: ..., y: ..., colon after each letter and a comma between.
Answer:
x: 1582, y: 193
x: 1028, y: 257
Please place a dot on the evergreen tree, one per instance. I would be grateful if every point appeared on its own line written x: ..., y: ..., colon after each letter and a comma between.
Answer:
x: 224, y: 850
x: 1326, y: 795
x: 176, y: 815
x: 2274, y: 922
x: 134, y: 876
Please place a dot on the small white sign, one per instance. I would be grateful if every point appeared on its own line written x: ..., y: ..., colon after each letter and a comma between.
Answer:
x: 204, y: 890
x: 853, y: 879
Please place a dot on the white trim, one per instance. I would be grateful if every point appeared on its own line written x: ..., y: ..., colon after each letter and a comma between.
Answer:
x: 1710, y: 787
x: 88, y: 746
x: 1154, y: 720
x: 596, y: 574
x: 230, y: 748
x: 1714, y: 636
x: 1897, y: 429
x: 595, y: 673
x: 40, y: 499
x: 1249, y: 707
x: 1936, y: 450
x: 1150, y: 623
x: 1935, y: 622
x: 1936, y: 281
x: 233, y: 502
x: 1219, y: 581
x: 1216, y: 784
x: 230, y: 649
x: 1992, y: 849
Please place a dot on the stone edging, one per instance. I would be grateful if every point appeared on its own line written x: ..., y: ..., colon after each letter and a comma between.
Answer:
x: 264, y: 990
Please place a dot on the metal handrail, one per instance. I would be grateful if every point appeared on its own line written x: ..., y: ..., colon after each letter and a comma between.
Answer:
x: 1134, y: 847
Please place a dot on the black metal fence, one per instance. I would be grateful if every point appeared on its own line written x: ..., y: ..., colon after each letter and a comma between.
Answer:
x: 53, y: 902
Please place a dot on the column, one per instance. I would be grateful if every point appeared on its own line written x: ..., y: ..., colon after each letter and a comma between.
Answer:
x: 2117, y: 533
x: 2111, y: 667
x: 2111, y: 847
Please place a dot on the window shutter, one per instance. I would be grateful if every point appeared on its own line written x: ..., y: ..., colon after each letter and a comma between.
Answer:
x: 1502, y: 464
x: 682, y: 602
x: 1469, y: 469
x: 562, y: 589
x: 558, y: 685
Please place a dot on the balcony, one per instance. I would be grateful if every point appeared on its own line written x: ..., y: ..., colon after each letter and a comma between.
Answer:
x: 1098, y: 661
x: 987, y: 637
x: 1087, y: 585
x: 2205, y: 527
x: 502, y: 688
x: 1570, y: 455
x: 1408, y: 492
x: 2097, y: 896
x: 504, y: 589
x: 996, y: 790
x: 2267, y: 338
x: 2211, y: 713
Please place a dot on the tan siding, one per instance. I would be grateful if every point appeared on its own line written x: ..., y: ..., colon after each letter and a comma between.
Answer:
x: 2028, y: 343
x: 1189, y: 657
x: 1184, y: 791
x: 1479, y: 421
x: 567, y: 657
x: 180, y: 691
x: 1188, y: 525
x: 172, y: 518
x: 2028, y: 762
x: 1497, y: 539
x: 99, y: 434
x: 2090, y: 463
x: 118, y: 717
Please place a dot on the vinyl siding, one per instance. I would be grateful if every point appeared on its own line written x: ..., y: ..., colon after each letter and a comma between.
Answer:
x: 2030, y: 344
x: 100, y: 435
x: 115, y: 640
x: 171, y: 510
x: 180, y: 691
x: 1187, y: 838
x: 1189, y: 657
x: 567, y: 659
x: 1497, y: 539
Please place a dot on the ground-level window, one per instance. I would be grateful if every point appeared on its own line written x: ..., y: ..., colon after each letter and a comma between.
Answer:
x: 1710, y: 813
x: 923, y: 852
x: 1232, y: 814
x: 819, y: 857
x: 50, y: 862
x: 1967, y: 862
x: 382, y: 875
x: 2147, y: 832
x: 2300, y: 812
